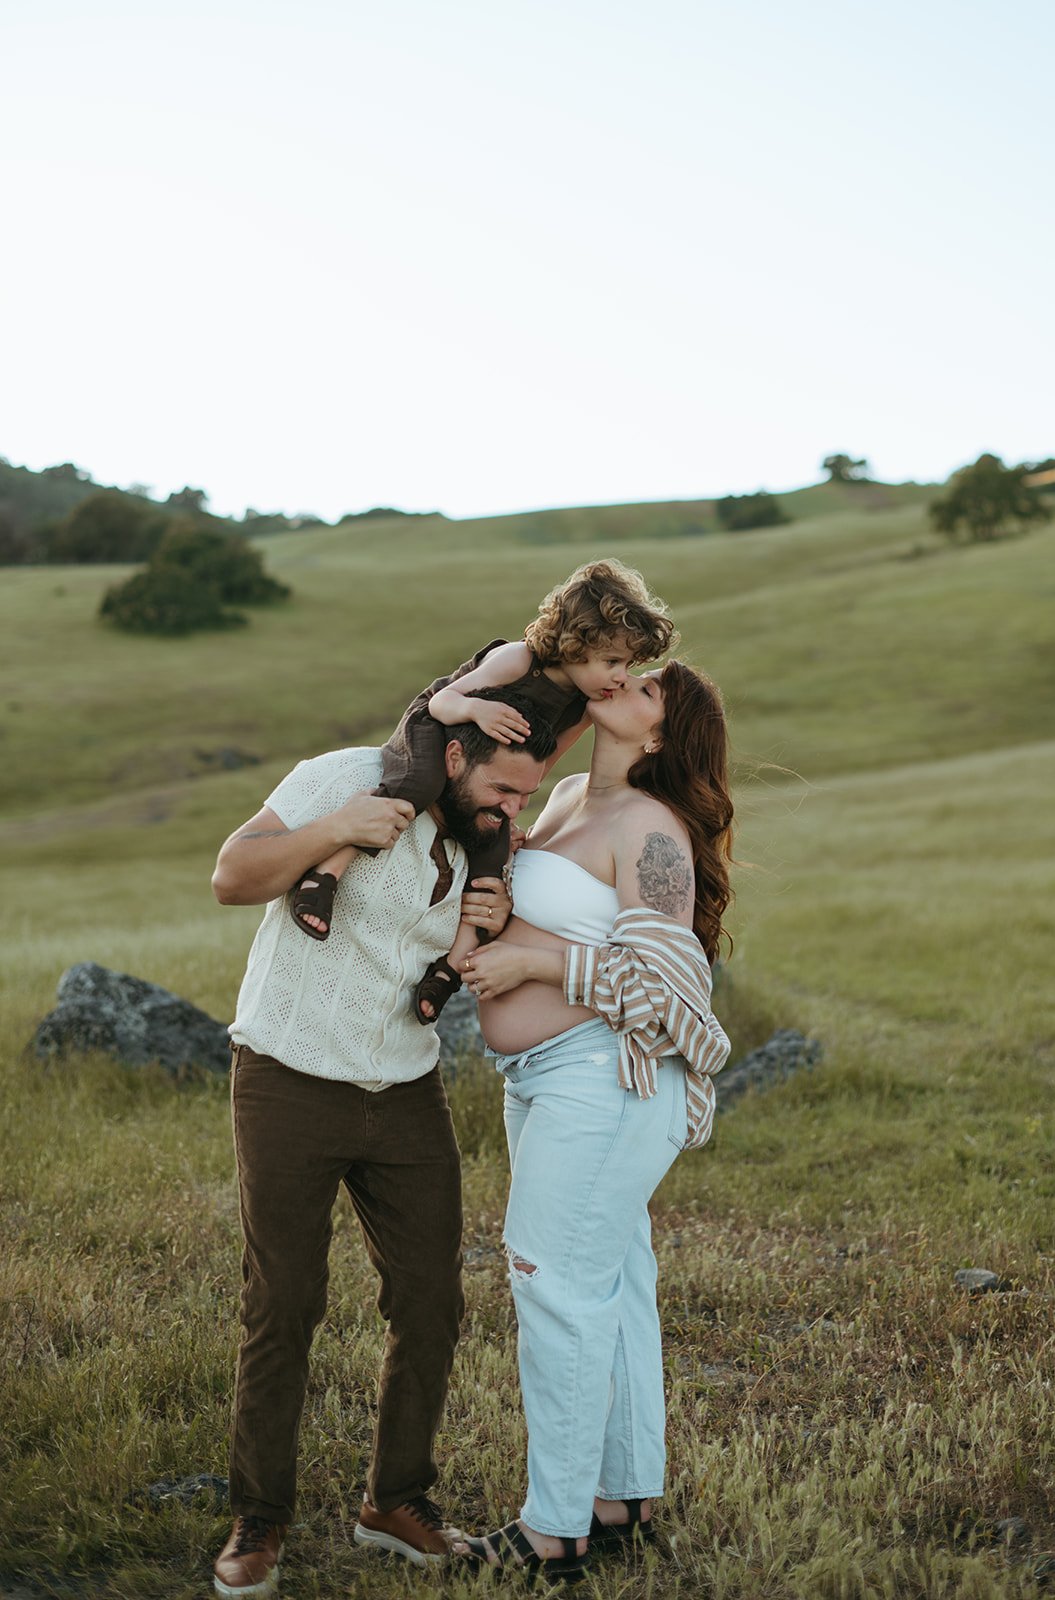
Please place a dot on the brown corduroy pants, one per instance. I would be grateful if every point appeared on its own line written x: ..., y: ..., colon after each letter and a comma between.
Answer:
x: 297, y: 1139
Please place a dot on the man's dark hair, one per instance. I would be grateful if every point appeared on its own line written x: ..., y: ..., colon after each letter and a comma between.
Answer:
x: 479, y: 747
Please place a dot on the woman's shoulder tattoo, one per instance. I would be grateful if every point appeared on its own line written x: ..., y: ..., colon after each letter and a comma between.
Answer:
x: 664, y: 876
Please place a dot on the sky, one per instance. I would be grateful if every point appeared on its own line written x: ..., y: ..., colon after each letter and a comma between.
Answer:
x: 481, y: 256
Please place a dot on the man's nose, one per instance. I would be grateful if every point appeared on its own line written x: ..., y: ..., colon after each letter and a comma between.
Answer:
x: 513, y: 805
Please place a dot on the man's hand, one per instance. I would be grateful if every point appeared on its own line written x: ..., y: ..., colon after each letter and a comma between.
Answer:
x: 264, y: 859
x: 500, y: 721
x: 486, y: 904
x: 373, y: 819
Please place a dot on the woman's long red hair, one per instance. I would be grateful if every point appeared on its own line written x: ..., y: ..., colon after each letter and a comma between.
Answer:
x: 690, y: 774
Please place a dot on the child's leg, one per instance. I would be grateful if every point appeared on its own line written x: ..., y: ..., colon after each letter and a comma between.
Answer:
x: 312, y: 906
x: 412, y: 768
x: 444, y: 977
x: 467, y: 941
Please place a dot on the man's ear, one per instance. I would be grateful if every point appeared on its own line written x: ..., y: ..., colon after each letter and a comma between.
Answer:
x: 454, y: 759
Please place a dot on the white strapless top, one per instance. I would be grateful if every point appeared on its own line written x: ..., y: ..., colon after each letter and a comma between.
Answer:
x: 561, y: 897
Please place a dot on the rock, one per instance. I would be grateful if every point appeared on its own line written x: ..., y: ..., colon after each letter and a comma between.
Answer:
x: 480, y: 1255
x: 977, y: 1280
x: 134, y: 1021
x: 459, y: 1031
x: 184, y: 1491
x: 1044, y: 1570
x: 784, y: 1054
x: 722, y: 1374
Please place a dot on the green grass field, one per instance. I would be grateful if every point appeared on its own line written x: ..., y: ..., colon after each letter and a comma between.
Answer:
x: 844, y: 1421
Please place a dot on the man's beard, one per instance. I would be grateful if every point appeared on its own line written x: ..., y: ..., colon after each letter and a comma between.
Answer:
x: 460, y: 815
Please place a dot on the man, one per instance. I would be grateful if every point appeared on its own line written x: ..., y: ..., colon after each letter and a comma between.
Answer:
x: 335, y: 1081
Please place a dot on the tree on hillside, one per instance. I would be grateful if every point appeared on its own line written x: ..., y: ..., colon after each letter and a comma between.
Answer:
x: 66, y: 472
x: 986, y: 500
x: 107, y: 526
x: 743, y: 511
x: 188, y: 499
x: 844, y: 469
x: 15, y: 544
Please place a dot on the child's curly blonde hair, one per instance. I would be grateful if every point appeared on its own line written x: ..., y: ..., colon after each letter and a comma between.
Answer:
x: 601, y: 601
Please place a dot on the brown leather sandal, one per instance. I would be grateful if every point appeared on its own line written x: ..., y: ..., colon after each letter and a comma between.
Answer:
x: 313, y: 897
x: 436, y: 990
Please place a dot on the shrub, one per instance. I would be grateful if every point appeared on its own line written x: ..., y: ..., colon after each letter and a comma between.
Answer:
x: 761, y: 510
x: 166, y: 600
x: 225, y: 562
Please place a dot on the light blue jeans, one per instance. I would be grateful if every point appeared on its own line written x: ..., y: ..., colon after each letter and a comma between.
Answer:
x: 586, y: 1156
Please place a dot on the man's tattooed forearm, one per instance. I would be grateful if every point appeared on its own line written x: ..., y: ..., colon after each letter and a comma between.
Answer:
x: 664, y: 877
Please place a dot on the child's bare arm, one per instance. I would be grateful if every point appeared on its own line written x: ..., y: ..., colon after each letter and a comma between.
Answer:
x: 456, y: 703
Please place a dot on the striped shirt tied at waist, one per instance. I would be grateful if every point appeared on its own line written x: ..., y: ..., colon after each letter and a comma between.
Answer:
x: 652, y: 984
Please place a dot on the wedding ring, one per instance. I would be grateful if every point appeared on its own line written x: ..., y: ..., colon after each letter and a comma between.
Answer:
x: 489, y: 911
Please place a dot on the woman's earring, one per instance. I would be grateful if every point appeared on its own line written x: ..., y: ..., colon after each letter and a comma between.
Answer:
x: 650, y: 749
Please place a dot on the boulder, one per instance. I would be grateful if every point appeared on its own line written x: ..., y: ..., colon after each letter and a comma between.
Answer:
x: 782, y: 1055
x: 204, y: 1487
x: 459, y: 1031
x: 979, y: 1280
x: 134, y: 1021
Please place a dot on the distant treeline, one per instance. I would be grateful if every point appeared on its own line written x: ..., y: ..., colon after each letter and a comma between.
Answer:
x: 62, y: 515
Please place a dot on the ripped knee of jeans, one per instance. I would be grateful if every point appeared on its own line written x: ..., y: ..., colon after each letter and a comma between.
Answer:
x: 518, y: 1265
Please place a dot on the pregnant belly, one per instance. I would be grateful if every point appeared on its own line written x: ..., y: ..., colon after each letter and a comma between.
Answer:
x: 535, y: 1011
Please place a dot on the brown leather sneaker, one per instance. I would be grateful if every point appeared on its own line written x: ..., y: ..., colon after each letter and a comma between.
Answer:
x: 247, y: 1566
x: 415, y: 1530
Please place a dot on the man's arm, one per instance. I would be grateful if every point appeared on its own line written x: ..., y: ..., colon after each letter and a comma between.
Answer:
x: 263, y: 858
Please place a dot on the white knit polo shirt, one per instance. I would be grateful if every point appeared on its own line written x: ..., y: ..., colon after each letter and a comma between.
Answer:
x: 343, y: 1008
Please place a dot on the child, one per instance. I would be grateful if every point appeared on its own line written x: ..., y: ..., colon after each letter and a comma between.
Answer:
x: 589, y: 630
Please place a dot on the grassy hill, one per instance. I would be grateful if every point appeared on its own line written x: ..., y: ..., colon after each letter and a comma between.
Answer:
x: 844, y: 1421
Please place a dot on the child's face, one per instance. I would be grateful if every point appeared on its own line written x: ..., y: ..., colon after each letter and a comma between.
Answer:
x: 603, y: 673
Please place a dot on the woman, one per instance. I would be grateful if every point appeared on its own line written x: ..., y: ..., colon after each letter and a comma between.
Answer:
x: 596, y: 1004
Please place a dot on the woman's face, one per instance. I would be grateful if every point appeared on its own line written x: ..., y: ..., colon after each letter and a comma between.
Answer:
x: 633, y: 714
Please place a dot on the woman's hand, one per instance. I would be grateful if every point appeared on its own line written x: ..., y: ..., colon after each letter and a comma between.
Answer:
x: 494, y: 969
x: 486, y: 904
